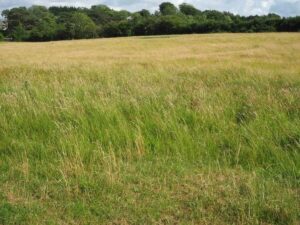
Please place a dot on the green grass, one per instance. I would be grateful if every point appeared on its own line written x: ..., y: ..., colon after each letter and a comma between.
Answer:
x: 181, y: 130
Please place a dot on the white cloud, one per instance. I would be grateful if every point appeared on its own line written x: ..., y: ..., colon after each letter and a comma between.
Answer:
x: 243, y: 7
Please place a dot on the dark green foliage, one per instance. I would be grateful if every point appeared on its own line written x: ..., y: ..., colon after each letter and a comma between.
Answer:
x: 17, y: 16
x: 1, y: 37
x: 144, y: 13
x: 38, y: 23
x: 117, y: 29
x: 19, y: 33
x: 101, y: 14
x: 289, y: 24
x: 44, y: 24
x: 167, y: 8
x: 188, y: 9
x: 81, y: 26
x: 172, y: 25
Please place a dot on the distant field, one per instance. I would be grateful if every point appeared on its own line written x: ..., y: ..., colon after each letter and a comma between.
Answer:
x: 195, y: 129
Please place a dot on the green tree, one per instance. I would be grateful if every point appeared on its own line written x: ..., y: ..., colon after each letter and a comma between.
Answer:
x: 44, y: 24
x: 101, y: 14
x: 17, y: 16
x: 144, y: 26
x: 144, y: 13
x: 19, y: 33
x: 167, y: 8
x: 172, y: 25
x: 81, y: 26
x: 117, y: 29
x: 188, y: 9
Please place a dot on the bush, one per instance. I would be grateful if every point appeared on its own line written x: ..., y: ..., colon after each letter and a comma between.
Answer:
x: 1, y: 37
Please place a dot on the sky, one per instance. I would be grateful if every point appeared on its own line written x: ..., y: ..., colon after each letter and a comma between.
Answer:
x: 242, y: 7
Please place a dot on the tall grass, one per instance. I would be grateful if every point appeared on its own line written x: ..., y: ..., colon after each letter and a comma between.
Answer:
x: 197, y: 129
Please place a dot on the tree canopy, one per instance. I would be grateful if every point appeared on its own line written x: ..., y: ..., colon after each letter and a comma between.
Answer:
x: 38, y: 23
x: 167, y: 8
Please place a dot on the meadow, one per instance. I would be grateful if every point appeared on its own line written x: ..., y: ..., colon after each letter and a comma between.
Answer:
x: 191, y: 129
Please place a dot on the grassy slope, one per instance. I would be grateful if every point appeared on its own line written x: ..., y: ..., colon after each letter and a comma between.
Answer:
x: 198, y: 129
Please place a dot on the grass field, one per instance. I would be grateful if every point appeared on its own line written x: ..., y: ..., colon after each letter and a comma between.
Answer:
x: 196, y: 129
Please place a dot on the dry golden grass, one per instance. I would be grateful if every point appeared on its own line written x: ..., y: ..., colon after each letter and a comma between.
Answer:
x: 195, y: 50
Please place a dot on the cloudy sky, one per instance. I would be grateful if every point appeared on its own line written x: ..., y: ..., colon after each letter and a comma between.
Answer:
x: 243, y: 7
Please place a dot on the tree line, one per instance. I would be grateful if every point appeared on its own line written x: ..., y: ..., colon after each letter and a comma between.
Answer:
x: 38, y: 23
